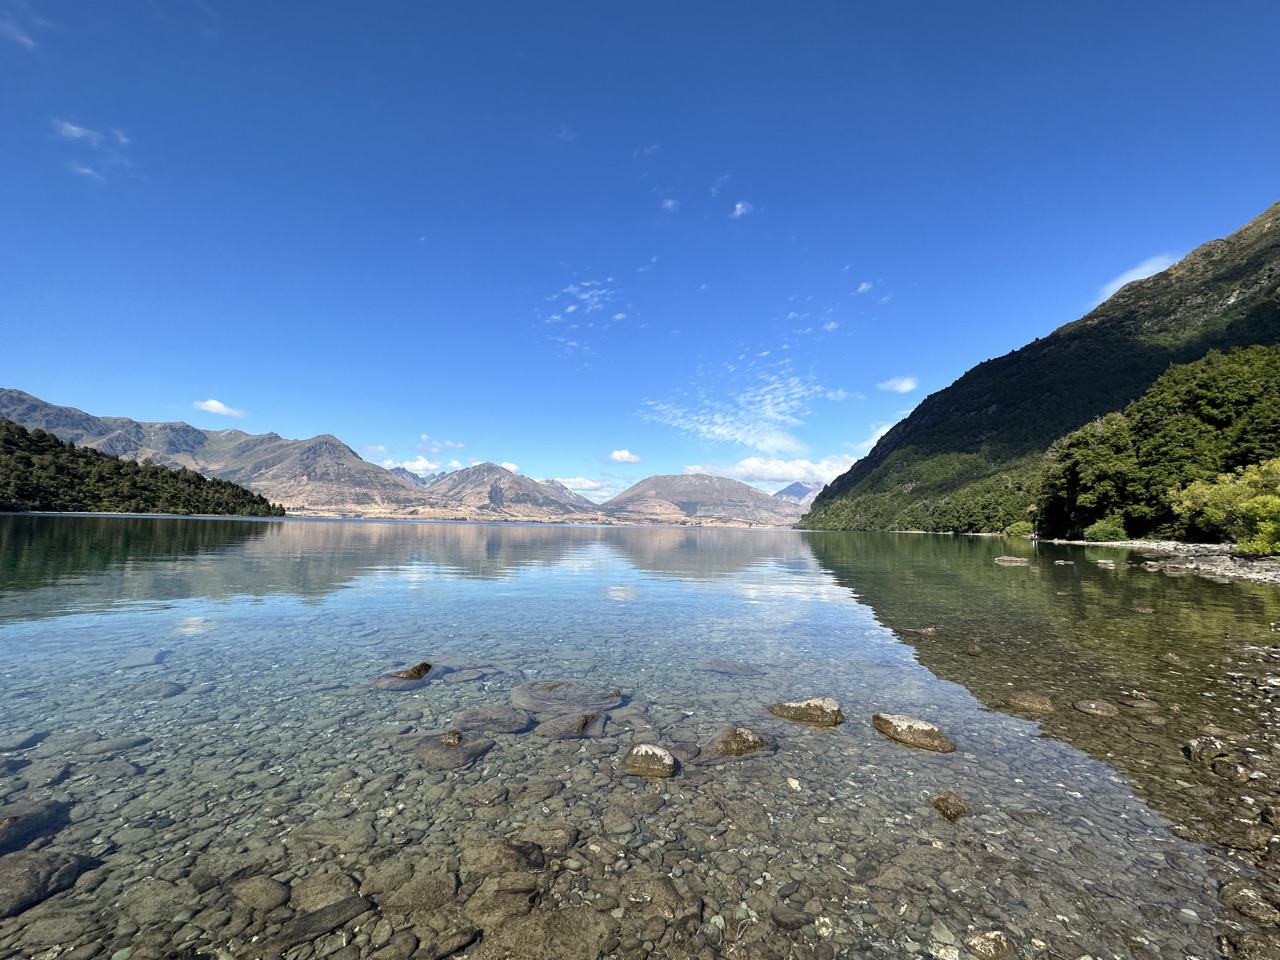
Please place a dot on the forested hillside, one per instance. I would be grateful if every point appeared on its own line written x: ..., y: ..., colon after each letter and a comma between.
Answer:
x: 968, y: 458
x: 40, y: 472
x: 1214, y: 416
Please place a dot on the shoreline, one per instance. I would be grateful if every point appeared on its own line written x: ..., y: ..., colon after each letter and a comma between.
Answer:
x: 1216, y: 561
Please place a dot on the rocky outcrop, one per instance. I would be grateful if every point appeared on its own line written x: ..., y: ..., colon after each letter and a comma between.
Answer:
x: 649, y: 760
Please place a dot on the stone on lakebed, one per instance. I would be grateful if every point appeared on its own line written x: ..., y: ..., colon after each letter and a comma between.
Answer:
x: 913, y: 732
x: 649, y: 760
x: 817, y: 712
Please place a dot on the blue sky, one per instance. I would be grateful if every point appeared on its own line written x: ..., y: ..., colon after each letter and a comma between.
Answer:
x: 597, y: 241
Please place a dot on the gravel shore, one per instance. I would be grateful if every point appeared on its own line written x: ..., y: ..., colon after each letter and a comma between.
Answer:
x: 1213, y: 560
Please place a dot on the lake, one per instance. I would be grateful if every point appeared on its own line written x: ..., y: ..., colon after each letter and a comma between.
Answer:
x: 198, y: 760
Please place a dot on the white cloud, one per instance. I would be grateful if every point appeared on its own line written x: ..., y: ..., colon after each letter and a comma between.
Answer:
x: 777, y: 471
x: 623, y: 456
x: 80, y: 170
x: 899, y: 384
x: 419, y: 465
x: 865, y: 286
x: 69, y: 131
x: 508, y: 465
x: 718, y: 184
x: 373, y: 449
x: 831, y: 326
x: 596, y: 489
x: 759, y: 417
x: 836, y: 395
x: 218, y: 407
x: 1147, y: 268
x: 11, y: 31
x: 670, y: 205
x: 741, y: 209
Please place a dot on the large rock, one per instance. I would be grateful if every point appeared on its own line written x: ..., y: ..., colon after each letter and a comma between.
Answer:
x: 573, y: 726
x: 989, y: 945
x: 20, y: 823
x: 739, y: 741
x: 31, y: 876
x: 563, y: 696
x: 453, y: 750
x: 1028, y: 701
x: 817, y: 712
x: 500, y: 855
x: 912, y: 732
x: 493, y: 718
x: 570, y: 933
x: 649, y: 760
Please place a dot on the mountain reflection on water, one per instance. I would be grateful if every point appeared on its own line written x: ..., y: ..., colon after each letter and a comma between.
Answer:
x: 197, y: 691
x: 1178, y: 657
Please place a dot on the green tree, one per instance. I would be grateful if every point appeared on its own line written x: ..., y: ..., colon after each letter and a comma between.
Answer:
x: 1243, y: 507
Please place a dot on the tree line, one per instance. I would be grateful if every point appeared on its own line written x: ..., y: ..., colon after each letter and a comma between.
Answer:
x: 40, y: 472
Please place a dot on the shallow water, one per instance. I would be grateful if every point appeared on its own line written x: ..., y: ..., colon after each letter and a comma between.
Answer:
x: 194, y: 694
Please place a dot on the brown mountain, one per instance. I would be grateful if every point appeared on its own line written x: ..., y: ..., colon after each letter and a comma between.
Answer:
x: 491, y: 490
x: 320, y: 475
x: 684, y: 497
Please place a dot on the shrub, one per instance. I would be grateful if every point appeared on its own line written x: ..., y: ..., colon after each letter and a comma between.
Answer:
x: 1243, y: 506
x: 1106, y: 530
x: 1019, y: 528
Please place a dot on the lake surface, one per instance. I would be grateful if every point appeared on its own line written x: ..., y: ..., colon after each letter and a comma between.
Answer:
x: 189, y: 725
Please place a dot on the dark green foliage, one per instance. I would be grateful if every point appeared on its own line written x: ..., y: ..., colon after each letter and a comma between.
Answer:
x: 40, y: 472
x: 968, y: 458
x: 1197, y: 421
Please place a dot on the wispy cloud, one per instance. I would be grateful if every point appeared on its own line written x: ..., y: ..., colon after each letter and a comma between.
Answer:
x: 623, y: 456
x: 80, y: 170
x: 671, y: 205
x: 778, y: 471
x: 718, y: 184
x: 865, y: 286
x: 508, y: 465
x: 100, y: 154
x: 577, y: 314
x: 13, y: 32
x: 899, y: 384
x: 218, y: 407
x: 1147, y: 268
x: 70, y: 131
x: 741, y: 209
x: 760, y: 417
x: 433, y: 446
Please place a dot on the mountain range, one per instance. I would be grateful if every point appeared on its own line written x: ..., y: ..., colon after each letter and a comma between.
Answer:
x: 967, y: 459
x: 322, y: 476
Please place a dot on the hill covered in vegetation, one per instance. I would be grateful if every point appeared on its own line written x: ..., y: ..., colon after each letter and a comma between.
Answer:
x: 968, y: 458
x: 40, y: 472
x: 1217, y: 415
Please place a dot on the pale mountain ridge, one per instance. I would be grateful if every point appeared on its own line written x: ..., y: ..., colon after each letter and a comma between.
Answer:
x: 322, y: 476
x: 698, y: 496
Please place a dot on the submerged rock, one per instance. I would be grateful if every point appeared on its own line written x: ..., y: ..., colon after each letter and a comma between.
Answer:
x: 950, y: 805
x: 732, y: 668
x: 453, y: 750
x: 1097, y: 708
x: 563, y: 696
x: 649, y: 760
x: 1028, y: 701
x: 494, y: 718
x: 817, y: 712
x: 20, y: 823
x: 991, y: 945
x: 1013, y: 561
x: 31, y: 876
x: 408, y: 679
x: 573, y: 726
x: 913, y: 732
